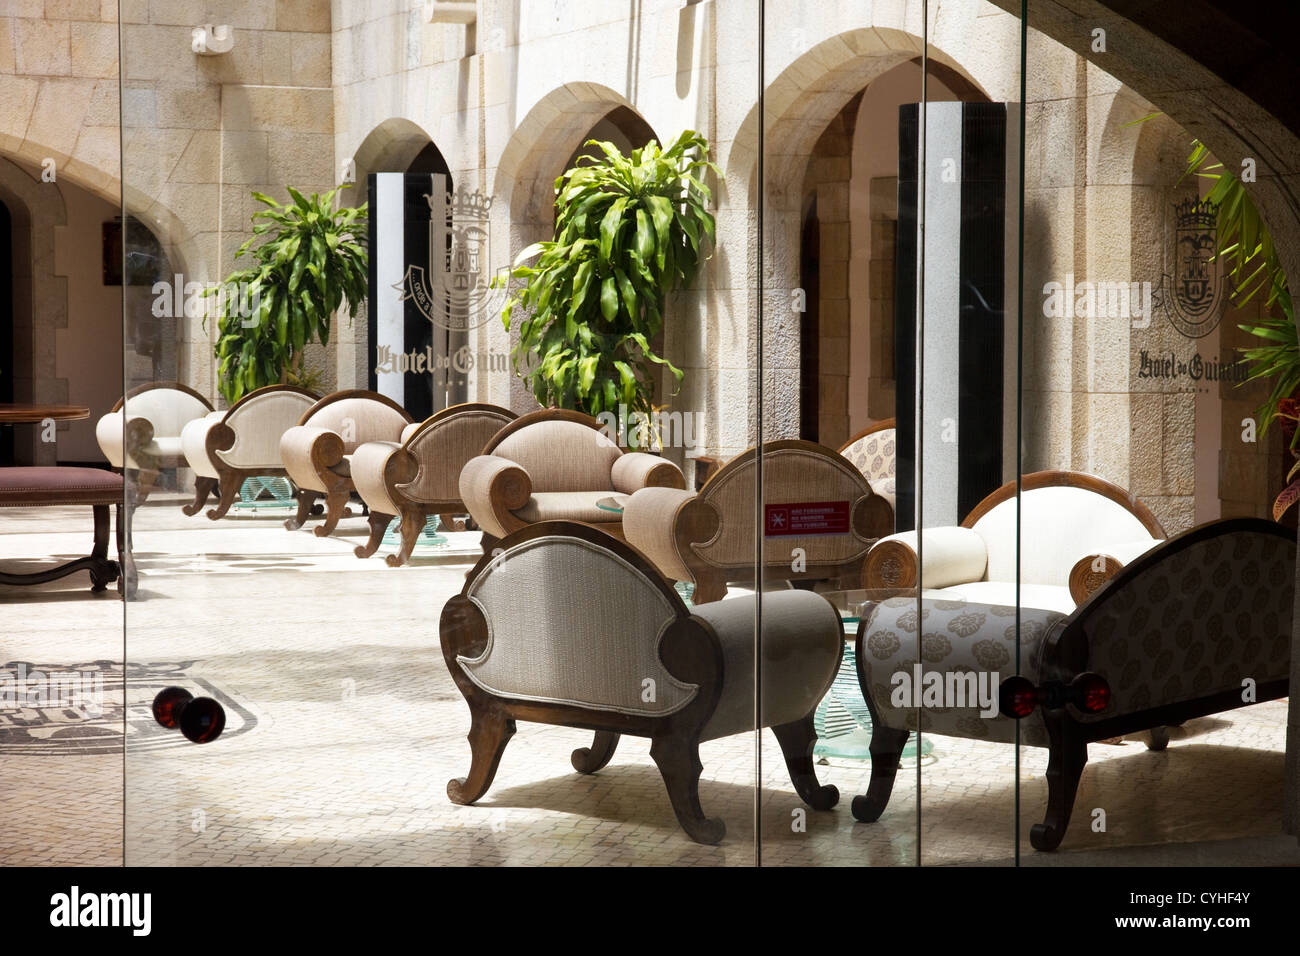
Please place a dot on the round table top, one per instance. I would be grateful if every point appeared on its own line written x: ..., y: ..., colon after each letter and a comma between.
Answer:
x: 22, y: 412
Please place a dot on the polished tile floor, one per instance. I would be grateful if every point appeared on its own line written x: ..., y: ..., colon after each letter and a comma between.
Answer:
x: 345, y: 727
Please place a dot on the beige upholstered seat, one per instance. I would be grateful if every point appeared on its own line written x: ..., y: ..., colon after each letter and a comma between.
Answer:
x: 873, y: 452
x: 419, y: 476
x: 570, y: 626
x: 317, y: 452
x: 1076, y: 531
x: 228, y: 447
x: 551, y: 465
x: 142, y: 432
x: 708, y: 538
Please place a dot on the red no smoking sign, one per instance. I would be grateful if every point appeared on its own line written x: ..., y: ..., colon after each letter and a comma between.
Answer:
x: 806, y: 517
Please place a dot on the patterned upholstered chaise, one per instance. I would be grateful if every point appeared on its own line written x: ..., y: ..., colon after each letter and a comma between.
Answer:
x: 555, y: 464
x: 1077, y: 530
x: 317, y: 452
x: 142, y: 433
x: 1194, y: 626
x: 570, y: 626
x: 873, y: 451
x: 420, y: 475
x: 225, y: 448
x: 708, y: 537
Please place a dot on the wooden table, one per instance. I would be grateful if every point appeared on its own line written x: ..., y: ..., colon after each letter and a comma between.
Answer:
x: 24, y: 413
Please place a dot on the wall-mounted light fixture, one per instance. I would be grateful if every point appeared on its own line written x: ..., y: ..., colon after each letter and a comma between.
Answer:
x: 209, y: 40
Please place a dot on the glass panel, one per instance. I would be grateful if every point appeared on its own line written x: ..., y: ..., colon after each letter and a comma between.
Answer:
x: 327, y: 546
x: 1147, y: 475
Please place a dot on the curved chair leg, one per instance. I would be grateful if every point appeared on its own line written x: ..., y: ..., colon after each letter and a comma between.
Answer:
x: 1065, y: 764
x: 306, y: 499
x: 336, y: 507
x: 203, y: 486
x: 797, y: 741
x: 145, y: 480
x: 593, y: 758
x: 412, y: 525
x: 886, y: 747
x: 1157, y: 738
x: 229, y: 488
x: 679, y: 764
x: 450, y: 523
x: 708, y: 590
x: 378, y: 525
x: 489, y: 733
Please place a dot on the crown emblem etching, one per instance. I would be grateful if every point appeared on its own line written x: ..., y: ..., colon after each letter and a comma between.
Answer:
x: 457, y: 291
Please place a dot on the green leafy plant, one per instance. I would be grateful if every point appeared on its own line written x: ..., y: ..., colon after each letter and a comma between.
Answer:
x: 310, y: 261
x: 629, y: 230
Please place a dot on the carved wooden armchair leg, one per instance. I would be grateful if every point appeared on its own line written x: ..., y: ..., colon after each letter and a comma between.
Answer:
x: 336, y: 507
x: 593, y: 758
x: 103, y: 572
x: 886, y: 748
x: 451, y: 523
x: 378, y: 525
x: 229, y: 490
x: 797, y: 741
x: 413, y: 521
x: 490, y: 730
x: 1157, y: 738
x: 203, y: 486
x: 126, y: 580
x: 678, y: 760
x: 306, y: 501
x: 1065, y: 765
x: 709, y: 588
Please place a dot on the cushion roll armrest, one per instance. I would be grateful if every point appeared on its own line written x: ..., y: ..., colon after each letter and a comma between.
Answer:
x: 492, y: 488
x: 651, y: 519
x: 1101, y: 564
x: 376, y: 465
x: 951, y: 556
x: 108, y: 433
x: 194, y: 444
x: 306, y: 451
x: 637, y: 470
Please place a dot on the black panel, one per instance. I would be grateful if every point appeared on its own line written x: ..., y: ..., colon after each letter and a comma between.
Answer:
x: 905, y: 320
x: 372, y: 284
x: 418, y: 331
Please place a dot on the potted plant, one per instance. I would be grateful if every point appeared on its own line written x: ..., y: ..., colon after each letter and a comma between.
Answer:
x: 629, y: 230
x: 1246, y: 246
x: 309, y: 261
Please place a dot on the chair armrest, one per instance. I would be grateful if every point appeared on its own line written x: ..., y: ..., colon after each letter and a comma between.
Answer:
x: 1101, y: 564
x: 307, y: 451
x: 637, y: 470
x: 493, y: 488
x: 377, y: 468
x: 109, y: 435
x: 952, y: 556
x: 652, y: 521
x: 194, y: 445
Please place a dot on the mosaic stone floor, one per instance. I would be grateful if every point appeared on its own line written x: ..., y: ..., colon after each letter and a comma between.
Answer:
x: 345, y: 728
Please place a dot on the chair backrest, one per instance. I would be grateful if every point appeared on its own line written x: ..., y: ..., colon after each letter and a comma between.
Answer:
x: 358, y: 416
x: 872, y: 450
x: 1063, y: 516
x: 259, y: 419
x: 168, y: 405
x: 561, y: 450
x: 444, y: 442
x: 596, y: 614
x: 795, y: 473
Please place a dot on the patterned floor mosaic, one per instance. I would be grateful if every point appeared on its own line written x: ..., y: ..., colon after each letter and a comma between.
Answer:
x: 345, y: 728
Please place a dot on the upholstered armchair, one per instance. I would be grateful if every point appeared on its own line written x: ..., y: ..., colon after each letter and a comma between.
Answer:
x: 570, y: 626
x: 555, y: 464
x: 317, y: 452
x: 1179, y: 633
x: 226, y: 448
x: 420, y: 476
x: 142, y: 432
x: 873, y: 452
x: 814, y: 501
x: 1077, y: 531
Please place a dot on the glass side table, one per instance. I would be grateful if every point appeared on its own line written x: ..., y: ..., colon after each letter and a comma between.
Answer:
x: 428, y: 537
x: 280, y: 490
x: 843, y: 720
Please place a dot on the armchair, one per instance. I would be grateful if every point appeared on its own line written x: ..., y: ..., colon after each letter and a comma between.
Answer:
x: 420, y: 476
x: 1174, y: 635
x: 225, y: 448
x: 142, y: 432
x: 317, y: 452
x: 555, y: 464
x: 601, y: 625
x: 708, y: 537
x: 1077, y: 531
x: 873, y: 452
